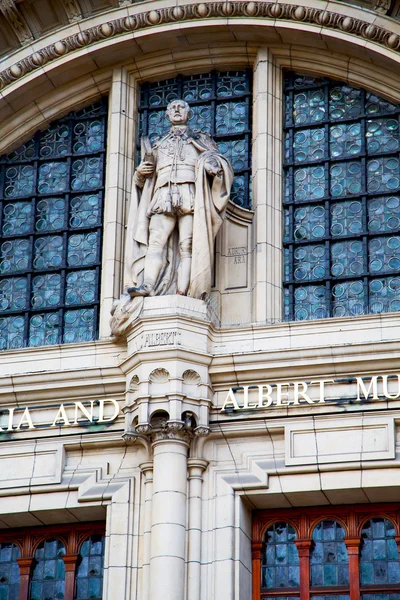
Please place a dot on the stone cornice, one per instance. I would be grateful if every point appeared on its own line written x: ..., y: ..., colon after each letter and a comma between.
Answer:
x: 326, y: 19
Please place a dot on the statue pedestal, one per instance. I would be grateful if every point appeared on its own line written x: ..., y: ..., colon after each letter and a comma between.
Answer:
x: 167, y: 366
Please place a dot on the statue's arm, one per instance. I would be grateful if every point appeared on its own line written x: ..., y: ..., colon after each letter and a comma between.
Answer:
x: 147, y: 166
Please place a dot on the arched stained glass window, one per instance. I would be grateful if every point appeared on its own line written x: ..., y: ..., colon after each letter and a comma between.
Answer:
x: 280, y: 563
x: 328, y: 558
x: 51, y: 198
x: 341, y: 201
x: 220, y: 105
x: 48, y: 575
x: 89, y: 575
x: 379, y: 560
x: 9, y: 571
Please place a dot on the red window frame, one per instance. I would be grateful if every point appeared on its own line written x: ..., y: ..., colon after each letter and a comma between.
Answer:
x: 351, y: 517
x: 28, y: 539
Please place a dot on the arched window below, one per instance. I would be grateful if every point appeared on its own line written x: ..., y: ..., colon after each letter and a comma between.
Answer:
x: 280, y: 563
x: 328, y: 559
x: 89, y: 574
x: 9, y: 571
x: 48, y: 575
x: 379, y: 561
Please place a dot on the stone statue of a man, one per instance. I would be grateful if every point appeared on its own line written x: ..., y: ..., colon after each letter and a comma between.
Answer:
x: 179, y: 195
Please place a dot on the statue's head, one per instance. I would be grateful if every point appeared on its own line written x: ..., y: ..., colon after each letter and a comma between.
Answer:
x: 178, y: 112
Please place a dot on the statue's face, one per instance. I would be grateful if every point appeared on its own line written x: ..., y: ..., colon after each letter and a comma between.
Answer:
x: 178, y: 112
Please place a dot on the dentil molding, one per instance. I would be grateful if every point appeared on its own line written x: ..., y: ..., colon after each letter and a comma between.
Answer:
x: 202, y: 11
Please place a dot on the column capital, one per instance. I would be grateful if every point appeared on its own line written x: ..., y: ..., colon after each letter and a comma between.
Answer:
x: 196, y: 467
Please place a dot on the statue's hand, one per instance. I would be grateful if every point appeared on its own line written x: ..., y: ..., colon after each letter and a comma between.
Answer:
x: 212, y: 167
x: 146, y: 169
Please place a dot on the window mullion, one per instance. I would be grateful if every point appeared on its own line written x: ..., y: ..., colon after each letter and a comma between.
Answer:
x: 25, y: 568
x: 70, y: 561
x: 353, y: 550
x: 303, y: 547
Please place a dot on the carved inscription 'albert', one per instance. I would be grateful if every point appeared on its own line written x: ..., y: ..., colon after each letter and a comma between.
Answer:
x: 164, y: 338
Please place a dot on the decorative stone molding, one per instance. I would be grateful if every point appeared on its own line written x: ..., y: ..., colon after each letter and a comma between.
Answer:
x: 17, y: 22
x: 73, y: 10
x: 192, y: 12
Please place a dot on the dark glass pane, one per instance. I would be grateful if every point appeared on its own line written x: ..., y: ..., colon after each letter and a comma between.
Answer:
x: 340, y: 199
x: 48, y: 575
x: 61, y: 230
x: 379, y: 557
x: 280, y: 558
x: 9, y: 571
x: 328, y: 557
x: 89, y: 575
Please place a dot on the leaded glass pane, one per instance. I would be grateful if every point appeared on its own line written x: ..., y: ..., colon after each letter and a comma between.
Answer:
x: 9, y: 571
x: 89, y: 575
x: 379, y: 557
x: 328, y: 557
x: 280, y: 563
x: 341, y: 189
x: 220, y: 105
x: 48, y: 574
x: 51, y: 197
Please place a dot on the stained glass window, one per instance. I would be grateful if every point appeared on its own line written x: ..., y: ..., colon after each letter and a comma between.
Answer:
x: 379, y: 559
x: 341, y: 201
x: 51, y: 197
x: 89, y: 575
x: 48, y: 575
x: 328, y: 558
x: 280, y: 566
x: 220, y: 105
x: 9, y: 571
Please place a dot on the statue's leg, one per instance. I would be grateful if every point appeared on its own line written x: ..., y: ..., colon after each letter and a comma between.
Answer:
x: 161, y: 227
x: 185, y: 249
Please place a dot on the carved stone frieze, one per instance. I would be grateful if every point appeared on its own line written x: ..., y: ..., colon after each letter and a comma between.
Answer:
x: 191, y: 12
x: 73, y: 10
x: 16, y: 20
x: 162, y: 428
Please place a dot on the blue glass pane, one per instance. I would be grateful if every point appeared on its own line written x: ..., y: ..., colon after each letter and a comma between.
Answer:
x: 384, y: 214
x: 54, y: 142
x: 81, y: 287
x: 48, y: 252
x: 79, y: 325
x: 280, y: 558
x: 384, y: 255
x: 89, y: 576
x: 19, y: 181
x: 199, y: 118
x: 53, y: 177
x: 310, y: 262
x: 46, y: 291
x: 344, y: 103
x: 9, y: 571
x: 348, y: 299
x: 309, y: 145
x: 309, y: 107
x: 383, y: 175
x: 236, y: 151
x: 50, y: 214
x: 379, y: 558
x: 328, y: 557
x: 238, y: 192
x: 345, y: 179
x: 48, y: 575
x: 345, y: 140
x: 347, y: 258
x: 13, y: 293
x: 88, y: 136
x: 14, y: 256
x: 309, y: 222
x: 231, y: 117
x: 86, y: 174
x: 11, y: 332
x: 43, y: 329
x: 197, y: 87
x: 229, y: 85
x: 309, y: 302
x: 309, y: 183
x: 382, y: 135
x: 377, y: 106
x: 85, y: 210
x: 346, y: 218
x: 83, y: 249
x: 17, y: 217
x: 26, y: 152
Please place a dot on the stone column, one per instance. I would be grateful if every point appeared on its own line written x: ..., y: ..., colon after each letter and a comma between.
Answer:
x: 168, y: 528
x: 147, y: 470
x: 196, y: 466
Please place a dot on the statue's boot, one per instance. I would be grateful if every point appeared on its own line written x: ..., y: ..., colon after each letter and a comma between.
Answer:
x: 141, y: 290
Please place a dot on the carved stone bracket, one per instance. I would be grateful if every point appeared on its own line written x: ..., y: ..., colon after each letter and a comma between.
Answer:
x: 16, y: 20
x: 73, y: 10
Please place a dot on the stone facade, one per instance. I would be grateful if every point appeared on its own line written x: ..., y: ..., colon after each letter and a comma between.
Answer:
x: 174, y: 457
